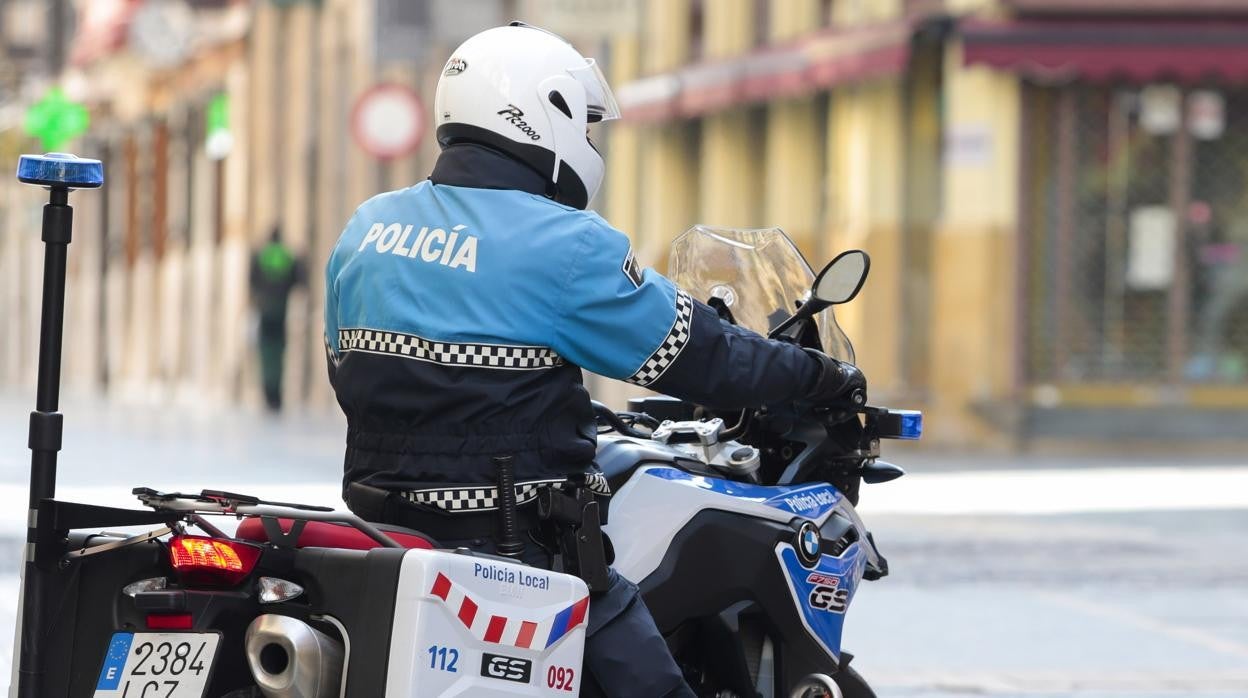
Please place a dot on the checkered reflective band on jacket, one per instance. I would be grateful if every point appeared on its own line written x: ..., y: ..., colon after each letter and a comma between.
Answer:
x: 458, y: 319
x: 485, y: 497
x: 450, y: 353
x: 669, y: 349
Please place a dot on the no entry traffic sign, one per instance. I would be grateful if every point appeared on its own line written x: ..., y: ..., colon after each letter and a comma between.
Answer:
x: 388, y: 120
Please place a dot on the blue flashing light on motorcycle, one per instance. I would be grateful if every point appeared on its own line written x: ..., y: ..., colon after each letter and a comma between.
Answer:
x: 911, y: 424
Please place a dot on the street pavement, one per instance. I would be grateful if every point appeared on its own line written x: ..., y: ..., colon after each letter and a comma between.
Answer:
x: 1037, y: 577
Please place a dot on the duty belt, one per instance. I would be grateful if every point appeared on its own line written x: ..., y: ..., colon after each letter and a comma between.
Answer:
x: 460, y: 512
x: 464, y: 498
x: 457, y: 511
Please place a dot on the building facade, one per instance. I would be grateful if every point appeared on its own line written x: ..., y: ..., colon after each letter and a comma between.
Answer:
x: 1050, y: 192
x: 229, y: 119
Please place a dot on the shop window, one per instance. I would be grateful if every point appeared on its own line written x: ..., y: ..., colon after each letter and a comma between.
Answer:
x: 1136, y: 234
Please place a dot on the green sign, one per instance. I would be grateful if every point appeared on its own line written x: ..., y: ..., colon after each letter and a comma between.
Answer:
x: 55, y: 120
x: 219, y: 113
x: 218, y: 142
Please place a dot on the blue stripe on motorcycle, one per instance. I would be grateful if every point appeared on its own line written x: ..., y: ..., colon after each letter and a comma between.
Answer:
x: 812, y: 500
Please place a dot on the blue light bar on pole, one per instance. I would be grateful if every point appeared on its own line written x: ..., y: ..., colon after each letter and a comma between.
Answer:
x: 60, y: 170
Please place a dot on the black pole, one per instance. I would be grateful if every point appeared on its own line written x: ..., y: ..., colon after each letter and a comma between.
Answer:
x: 45, y: 439
x: 508, y: 543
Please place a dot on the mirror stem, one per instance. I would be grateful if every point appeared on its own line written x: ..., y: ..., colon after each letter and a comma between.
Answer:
x: 809, y: 309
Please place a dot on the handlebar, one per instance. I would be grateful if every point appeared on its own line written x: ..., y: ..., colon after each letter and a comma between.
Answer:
x: 613, y: 420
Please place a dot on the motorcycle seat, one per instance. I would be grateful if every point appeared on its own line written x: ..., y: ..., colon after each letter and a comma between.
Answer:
x: 324, y: 534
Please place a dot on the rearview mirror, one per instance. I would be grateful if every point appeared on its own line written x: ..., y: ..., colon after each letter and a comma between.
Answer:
x: 841, y: 280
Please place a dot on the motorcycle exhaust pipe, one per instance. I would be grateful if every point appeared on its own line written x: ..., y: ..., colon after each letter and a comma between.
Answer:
x: 816, y: 686
x: 291, y: 659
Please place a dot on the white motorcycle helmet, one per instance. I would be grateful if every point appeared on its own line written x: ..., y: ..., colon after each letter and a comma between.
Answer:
x: 526, y: 92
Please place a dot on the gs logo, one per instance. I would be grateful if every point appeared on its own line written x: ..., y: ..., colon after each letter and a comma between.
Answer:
x: 497, y: 666
x: 832, y: 600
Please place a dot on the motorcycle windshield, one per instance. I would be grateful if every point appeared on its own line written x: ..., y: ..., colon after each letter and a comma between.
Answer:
x: 759, y: 275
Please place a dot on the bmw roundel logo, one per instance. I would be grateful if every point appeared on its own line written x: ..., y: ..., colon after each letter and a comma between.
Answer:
x: 808, y: 543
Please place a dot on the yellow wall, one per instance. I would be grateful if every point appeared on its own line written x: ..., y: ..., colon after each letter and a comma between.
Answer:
x: 727, y: 27
x: 620, y: 197
x: 731, y: 159
x: 669, y: 166
x: 832, y: 170
x: 961, y: 6
x: 793, y: 17
x: 827, y: 169
x: 865, y: 155
x: 669, y: 155
x: 666, y: 35
x: 851, y: 12
x: 730, y: 168
x: 794, y: 172
x: 973, y: 254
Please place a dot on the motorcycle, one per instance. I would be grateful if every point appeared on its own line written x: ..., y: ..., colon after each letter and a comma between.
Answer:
x: 743, y: 539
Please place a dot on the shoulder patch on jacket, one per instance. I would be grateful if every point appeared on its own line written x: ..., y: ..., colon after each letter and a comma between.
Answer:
x: 632, y: 269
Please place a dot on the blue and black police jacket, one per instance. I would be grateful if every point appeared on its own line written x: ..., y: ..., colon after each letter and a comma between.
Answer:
x: 460, y: 312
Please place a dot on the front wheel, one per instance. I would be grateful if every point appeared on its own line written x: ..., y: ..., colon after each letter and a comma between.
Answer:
x: 849, y: 684
x: 846, y: 684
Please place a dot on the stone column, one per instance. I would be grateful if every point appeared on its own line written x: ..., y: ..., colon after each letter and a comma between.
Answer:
x: 973, y: 270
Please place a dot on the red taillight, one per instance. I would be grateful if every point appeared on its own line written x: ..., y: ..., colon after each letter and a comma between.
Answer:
x: 169, y: 621
x: 201, y: 560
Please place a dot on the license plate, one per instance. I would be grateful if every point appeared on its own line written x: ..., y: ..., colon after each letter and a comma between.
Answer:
x: 157, y: 665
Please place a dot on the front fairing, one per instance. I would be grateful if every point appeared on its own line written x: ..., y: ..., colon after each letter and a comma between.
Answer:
x: 758, y: 274
x: 652, y: 517
x: 823, y: 593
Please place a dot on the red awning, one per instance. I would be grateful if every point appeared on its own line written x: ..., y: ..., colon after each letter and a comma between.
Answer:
x: 1094, y: 50
x: 816, y: 62
x: 101, y: 29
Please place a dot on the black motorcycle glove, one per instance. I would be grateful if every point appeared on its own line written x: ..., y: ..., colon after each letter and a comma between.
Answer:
x: 839, y: 382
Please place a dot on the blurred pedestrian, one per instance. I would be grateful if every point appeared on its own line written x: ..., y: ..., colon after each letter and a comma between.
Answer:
x: 275, y: 271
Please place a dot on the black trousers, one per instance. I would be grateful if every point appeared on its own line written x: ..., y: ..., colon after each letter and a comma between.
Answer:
x: 625, y: 653
x: 272, y: 354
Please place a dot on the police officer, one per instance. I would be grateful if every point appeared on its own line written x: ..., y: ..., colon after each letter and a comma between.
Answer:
x: 459, y: 313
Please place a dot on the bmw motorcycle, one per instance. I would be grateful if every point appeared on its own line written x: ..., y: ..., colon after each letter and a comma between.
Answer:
x: 743, y: 539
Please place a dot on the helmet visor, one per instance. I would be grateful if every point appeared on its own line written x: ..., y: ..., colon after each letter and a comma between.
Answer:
x: 599, y: 101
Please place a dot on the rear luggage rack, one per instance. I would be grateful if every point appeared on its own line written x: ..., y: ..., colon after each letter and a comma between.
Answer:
x: 230, y: 504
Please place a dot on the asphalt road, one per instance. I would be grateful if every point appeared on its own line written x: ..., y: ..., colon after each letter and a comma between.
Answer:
x: 1045, y: 577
